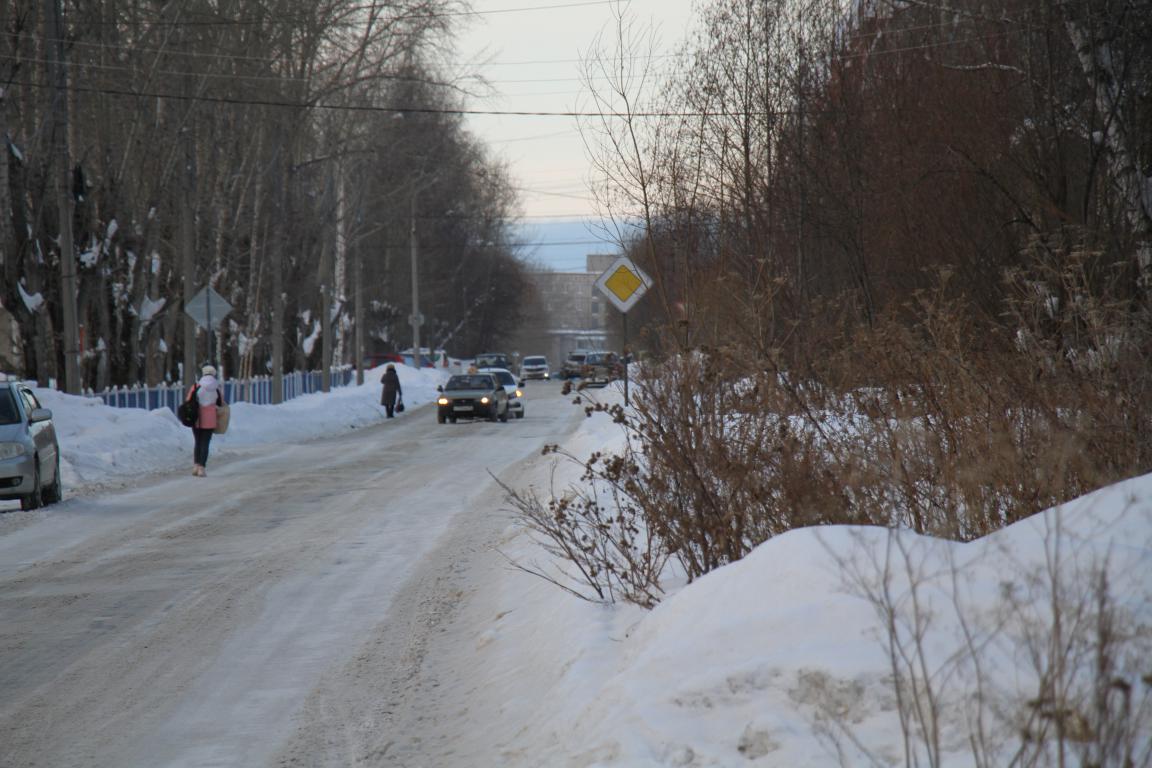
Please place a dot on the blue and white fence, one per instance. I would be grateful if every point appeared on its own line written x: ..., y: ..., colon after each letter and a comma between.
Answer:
x: 257, y: 390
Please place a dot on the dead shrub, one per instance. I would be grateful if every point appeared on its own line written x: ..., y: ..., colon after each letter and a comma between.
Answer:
x: 932, y: 419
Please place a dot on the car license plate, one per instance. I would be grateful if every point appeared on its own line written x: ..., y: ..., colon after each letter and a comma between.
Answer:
x: 461, y: 407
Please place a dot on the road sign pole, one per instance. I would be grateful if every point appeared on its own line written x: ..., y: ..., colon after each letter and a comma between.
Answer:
x: 624, y: 315
x: 211, y: 335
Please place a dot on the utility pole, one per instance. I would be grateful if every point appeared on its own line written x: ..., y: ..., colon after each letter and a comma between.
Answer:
x: 187, y: 252
x: 325, y: 315
x: 278, y: 281
x: 358, y: 314
x: 415, y: 319
x: 187, y: 188
x: 54, y: 16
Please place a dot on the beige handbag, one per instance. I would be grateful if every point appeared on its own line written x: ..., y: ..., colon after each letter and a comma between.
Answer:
x: 223, y: 413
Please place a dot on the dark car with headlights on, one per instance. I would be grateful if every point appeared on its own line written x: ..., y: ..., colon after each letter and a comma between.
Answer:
x: 472, y: 396
x: 29, y: 453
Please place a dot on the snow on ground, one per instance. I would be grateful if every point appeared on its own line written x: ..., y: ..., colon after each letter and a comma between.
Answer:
x: 776, y: 660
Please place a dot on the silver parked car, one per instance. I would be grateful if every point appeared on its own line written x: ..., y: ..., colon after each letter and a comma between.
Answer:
x: 29, y: 453
x: 512, y: 387
x: 535, y: 367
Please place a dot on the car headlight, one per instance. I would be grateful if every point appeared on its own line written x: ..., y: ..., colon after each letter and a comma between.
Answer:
x: 441, y: 401
x: 11, y: 450
x: 484, y: 400
x: 519, y: 393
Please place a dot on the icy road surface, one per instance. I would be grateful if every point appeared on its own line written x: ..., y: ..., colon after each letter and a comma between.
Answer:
x: 276, y: 613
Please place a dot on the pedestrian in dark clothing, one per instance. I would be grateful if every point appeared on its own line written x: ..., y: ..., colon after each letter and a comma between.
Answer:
x: 391, y: 391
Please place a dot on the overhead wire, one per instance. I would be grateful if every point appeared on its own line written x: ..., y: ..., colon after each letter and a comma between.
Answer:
x: 262, y: 59
x: 107, y: 90
x: 263, y: 102
x: 292, y: 19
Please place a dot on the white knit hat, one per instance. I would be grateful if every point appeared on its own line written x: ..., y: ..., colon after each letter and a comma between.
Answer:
x: 208, y: 370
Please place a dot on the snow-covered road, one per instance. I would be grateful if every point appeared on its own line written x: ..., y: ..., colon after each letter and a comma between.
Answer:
x: 276, y: 612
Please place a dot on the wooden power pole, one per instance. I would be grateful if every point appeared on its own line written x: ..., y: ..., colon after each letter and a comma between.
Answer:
x: 54, y: 18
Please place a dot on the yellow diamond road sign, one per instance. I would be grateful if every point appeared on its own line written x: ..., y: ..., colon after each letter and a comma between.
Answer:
x: 623, y: 283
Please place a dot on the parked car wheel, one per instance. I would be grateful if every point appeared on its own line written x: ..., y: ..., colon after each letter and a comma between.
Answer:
x: 520, y: 414
x: 441, y: 418
x: 504, y: 417
x: 54, y: 492
x: 34, y: 500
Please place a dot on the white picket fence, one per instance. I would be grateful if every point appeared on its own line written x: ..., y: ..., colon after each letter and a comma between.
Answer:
x: 257, y: 390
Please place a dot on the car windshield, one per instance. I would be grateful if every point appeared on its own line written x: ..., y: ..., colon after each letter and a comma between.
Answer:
x: 535, y: 361
x: 470, y: 382
x: 577, y: 357
x: 505, y: 378
x: 491, y: 361
x: 9, y: 413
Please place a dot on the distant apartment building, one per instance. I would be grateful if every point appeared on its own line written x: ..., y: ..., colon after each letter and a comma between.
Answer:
x: 570, y: 313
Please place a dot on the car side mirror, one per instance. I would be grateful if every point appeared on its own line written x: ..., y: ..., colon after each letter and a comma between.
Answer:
x: 439, y: 387
x: 520, y: 383
x: 40, y: 414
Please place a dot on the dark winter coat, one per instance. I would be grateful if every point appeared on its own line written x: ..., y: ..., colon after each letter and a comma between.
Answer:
x: 391, y: 391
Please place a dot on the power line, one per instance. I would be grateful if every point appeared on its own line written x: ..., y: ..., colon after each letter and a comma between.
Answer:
x: 293, y: 19
x: 432, y: 246
x: 405, y: 78
x: 119, y: 49
x: 129, y: 69
x: 250, y: 102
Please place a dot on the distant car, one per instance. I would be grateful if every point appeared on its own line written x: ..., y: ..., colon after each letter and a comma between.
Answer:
x: 601, y: 368
x: 573, y: 365
x: 373, y: 360
x: 535, y: 367
x: 29, y: 452
x: 493, y: 360
x: 512, y: 387
x: 472, y: 396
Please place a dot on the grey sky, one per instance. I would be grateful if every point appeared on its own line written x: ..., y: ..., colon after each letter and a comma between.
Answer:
x: 535, y: 48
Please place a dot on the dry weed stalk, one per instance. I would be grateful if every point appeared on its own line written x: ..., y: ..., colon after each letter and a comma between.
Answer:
x: 1080, y: 647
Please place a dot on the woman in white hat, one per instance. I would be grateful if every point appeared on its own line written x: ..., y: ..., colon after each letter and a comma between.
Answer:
x: 207, y: 392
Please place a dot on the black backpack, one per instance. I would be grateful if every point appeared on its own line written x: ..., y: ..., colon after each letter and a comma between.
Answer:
x: 189, y: 410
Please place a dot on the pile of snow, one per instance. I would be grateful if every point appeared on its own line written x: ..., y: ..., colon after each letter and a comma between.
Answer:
x: 103, y: 446
x: 781, y: 659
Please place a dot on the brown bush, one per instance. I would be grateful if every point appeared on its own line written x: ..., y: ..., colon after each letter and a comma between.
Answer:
x: 951, y: 424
